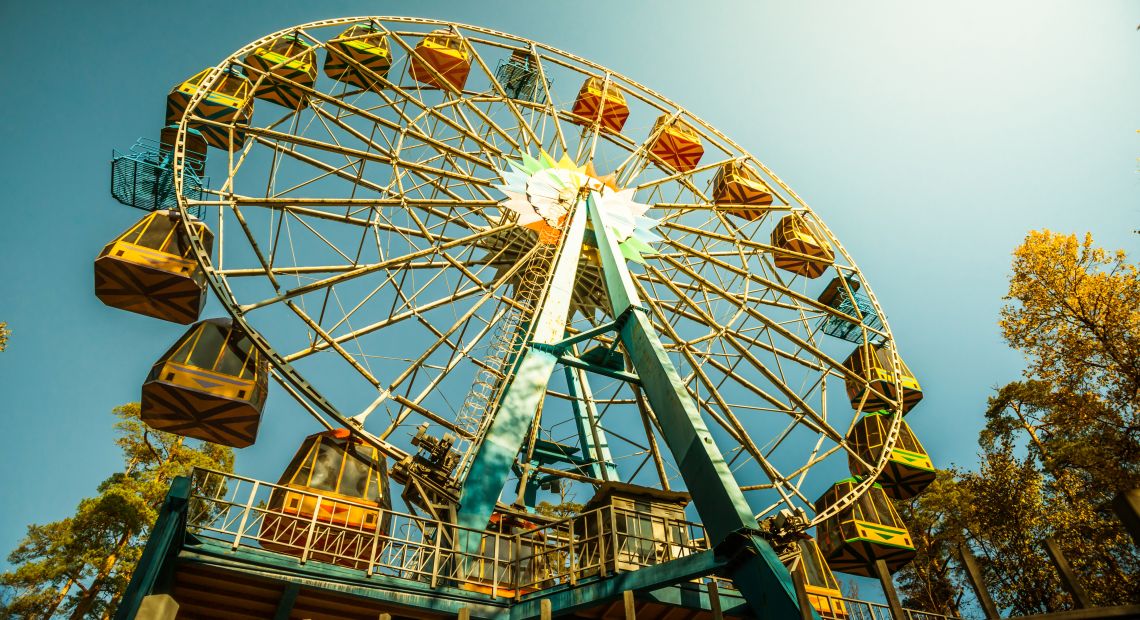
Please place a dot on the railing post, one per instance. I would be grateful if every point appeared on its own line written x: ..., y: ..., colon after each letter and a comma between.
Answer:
x: 1068, y: 577
x: 516, y: 562
x: 573, y: 560
x: 495, y: 567
x: 714, y: 600
x: 312, y: 529
x: 435, y: 560
x: 801, y: 593
x: 601, y: 545
x: 974, y: 572
x: 375, y: 541
x: 616, y: 551
x: 1127, y: 508
x: 245, y: 514
x: 889, y: 590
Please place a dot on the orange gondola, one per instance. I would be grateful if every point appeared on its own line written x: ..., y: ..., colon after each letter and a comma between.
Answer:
x: 598, y: 101
x: 334, y: 499
x: 801, y: 248
x: 150, y: 269
x: 441, y: 60
x: 676, y: 144
x: 735, y: 184
x: 210, y: 385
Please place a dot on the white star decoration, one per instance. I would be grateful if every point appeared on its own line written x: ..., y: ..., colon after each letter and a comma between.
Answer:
x: 542, y: 191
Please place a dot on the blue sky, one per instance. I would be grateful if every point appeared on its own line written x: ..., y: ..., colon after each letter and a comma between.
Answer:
x: 930, y: 140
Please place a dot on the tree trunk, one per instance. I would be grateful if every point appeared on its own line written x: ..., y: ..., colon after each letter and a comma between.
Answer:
x: 59, y: 597
x: 87, y: 601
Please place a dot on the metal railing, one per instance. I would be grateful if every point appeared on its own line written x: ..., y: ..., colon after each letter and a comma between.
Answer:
x: 242, y: 512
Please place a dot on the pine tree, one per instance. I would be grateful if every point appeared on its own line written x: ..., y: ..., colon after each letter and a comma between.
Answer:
x: 79, y: 567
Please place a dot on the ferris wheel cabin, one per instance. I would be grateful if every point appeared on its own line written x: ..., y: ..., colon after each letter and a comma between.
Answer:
x: 283, y: 71
x: 441, y: 60
x: 819, y: 582
x: 863, y: 533
x: 873, y: 363
x: 801, y: 249
x: 229, y: 102
x: 740, y: 189
x: 675, y: 144
x: 150, y: 269
x: 211, y: 385
x: 333, y: 496
x: 358, y: 56
x: 195, y: 150
x: 598, y: 102
x: 908, y: 470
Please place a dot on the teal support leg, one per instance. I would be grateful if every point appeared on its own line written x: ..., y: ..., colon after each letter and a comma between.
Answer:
x: 727, y: 517
x: 163, y: 542
x: 521, y: 397
x: 591, y: 439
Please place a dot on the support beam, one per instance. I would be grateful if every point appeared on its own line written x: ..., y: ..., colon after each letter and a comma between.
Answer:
x: 889, y: 590
x: 568, y: 599
x: 522, y: 396
x: 1127, y: 507
x: 974, y: 573
x: 1068, y: 577
x: 167, y: 530
x: 754, y: 566
x: 591, y: 439
x: 629, y: 604
x: 286, y: 602
x: 714, y: 600
x: 801, y: 593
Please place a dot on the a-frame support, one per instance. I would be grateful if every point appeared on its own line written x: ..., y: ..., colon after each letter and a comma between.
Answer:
x: 727, y: 517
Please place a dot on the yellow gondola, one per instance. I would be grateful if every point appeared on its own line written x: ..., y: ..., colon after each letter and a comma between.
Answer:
x: 908, y: 470
x: 335, y: 499
x: 229, y: 102
x: 441, y: 60
x: 283, y: 71
x: 210, y: 385
x: 357, y: 55
x: 591, y: 105
x: 195, y: 154
x: 805, y: 251
x: 819, y: 582
x: 150, y: 269
x: 737, y: 185
x: 677, y: 145
x: 863, y: 533
x: 873, y: 363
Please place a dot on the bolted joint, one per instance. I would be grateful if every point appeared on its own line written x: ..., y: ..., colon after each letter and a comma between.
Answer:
x: 738, y: 547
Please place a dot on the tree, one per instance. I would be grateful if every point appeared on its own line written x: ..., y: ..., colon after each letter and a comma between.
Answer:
x: 932, y: 582
x: 1057, y: 446
x: 4, y: 333
x: 1074, y: 311
x: 79, y: 567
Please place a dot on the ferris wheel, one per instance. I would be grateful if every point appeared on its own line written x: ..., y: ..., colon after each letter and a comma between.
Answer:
x: 518, y: 275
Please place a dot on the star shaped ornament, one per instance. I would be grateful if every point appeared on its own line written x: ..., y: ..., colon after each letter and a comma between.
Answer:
x: 542, y: 192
